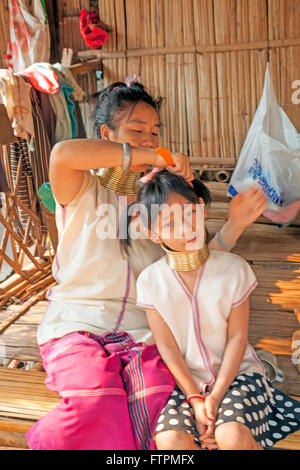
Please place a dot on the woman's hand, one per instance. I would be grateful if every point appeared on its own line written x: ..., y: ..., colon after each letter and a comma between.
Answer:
x: 243, y: 211
x: 245, y: 208
x: 181, y: 165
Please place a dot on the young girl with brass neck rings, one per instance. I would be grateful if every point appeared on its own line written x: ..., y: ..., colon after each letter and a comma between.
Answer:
x: 93, y: 336
x: 197, y: 305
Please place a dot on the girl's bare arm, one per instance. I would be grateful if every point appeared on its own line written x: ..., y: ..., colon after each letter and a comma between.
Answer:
x: 170, y: 353
x: 237, y: 338
x: 172, y: 357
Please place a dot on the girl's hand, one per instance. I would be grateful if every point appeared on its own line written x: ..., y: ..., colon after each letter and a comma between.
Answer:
x: 181, y: 165
x: 209, y: 443
x: 245, y: 208
x: 204, y: 425
x: 211, y: 406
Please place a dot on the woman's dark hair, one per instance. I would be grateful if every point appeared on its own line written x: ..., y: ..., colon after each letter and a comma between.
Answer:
x: 156, y: 192
x: 115, y: 98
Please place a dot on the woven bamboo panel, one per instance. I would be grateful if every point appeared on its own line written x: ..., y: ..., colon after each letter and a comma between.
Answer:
x: 68, y: 20
x: 207, y: 58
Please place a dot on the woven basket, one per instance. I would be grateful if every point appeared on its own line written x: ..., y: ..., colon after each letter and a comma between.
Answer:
x: 49, y: 219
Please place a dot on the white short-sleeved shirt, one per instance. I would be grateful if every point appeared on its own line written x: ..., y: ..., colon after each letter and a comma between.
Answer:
x: 199, y: 321
x: 96, y: 281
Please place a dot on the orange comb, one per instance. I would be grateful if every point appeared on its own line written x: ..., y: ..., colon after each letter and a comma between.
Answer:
x: 166, y: 155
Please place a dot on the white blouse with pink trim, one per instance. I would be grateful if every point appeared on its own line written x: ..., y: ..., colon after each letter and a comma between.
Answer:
x: 95, y: 289
x: 199, y: 321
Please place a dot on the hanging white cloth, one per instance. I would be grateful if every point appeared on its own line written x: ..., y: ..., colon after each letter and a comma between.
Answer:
x: 29, y: 34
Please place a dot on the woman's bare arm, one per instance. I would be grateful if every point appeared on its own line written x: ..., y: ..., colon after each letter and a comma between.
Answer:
x: 70, y: 158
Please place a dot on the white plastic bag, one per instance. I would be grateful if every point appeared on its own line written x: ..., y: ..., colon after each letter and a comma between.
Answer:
x: 29, y: 34
x: 270, y: 158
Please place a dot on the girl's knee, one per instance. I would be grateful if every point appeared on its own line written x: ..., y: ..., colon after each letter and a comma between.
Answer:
x: 175, y: 440
x: 234, y: 435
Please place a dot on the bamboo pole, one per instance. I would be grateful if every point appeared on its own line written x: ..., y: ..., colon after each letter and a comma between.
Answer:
x: 15, y: 293
x: 27, y: 286
x: 209, y: 49
x: 181, y: 110
x: 27, y: 271
x: 38, y: 285
x: 19, y: 241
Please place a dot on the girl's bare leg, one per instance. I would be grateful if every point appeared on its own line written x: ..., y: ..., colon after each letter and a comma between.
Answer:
x: 235, y: 436
x: 175, y: 440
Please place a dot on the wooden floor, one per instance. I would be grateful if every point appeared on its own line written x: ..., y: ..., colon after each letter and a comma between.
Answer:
x: 274, y: 254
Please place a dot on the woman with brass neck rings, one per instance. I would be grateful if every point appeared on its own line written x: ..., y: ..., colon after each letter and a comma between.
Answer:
x: 95, y: 343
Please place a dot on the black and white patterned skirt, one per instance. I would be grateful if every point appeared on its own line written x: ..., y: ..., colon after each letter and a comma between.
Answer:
x: 247, y: 401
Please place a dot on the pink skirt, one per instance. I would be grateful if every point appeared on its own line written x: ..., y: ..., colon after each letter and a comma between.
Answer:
x: 113, y: 391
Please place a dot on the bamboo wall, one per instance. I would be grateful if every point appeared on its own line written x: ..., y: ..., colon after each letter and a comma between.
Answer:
x: 207, y: 59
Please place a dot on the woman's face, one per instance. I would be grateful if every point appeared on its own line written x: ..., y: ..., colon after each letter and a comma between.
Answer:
x: 180, y: 224
x: 139, y: 125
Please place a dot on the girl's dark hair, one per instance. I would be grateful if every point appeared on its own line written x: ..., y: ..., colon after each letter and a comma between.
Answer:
x: 114, y: 99
x: 157, y: 191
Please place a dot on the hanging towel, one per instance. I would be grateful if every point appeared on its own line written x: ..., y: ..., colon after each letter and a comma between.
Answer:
x: 62, y: 105
x: 40, y: 155
x: 78, y: 93
x: 15, y: 95
x: 6, y: 131
x: 68, y: 92
x: 29, y: 34
x: 45, y: 79
x: 46, y: 196
x: 81, y: 132
x: 4, y: 188
x: 49, y: 117
x: 19, y: 151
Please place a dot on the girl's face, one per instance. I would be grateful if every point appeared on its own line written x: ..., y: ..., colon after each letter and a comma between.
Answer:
x: 139, y: 125
x: 180, y: 224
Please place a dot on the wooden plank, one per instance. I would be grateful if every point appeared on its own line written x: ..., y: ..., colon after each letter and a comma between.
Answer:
x: 24, y: 354
x: 291, y: 442
x: 15, y: 425
x: 280, y: 324
x: 30, y: 318
x: 23, y: 394
x: 13, y: 439
x: 23, y: 335
x: 11, y: 448
x: 9, y: 389
x: 27, y: 402
x: 22, y: 376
